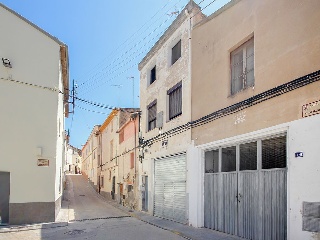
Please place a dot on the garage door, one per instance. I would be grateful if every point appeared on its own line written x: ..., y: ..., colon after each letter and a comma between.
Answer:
x: 245, y: 189
x: 170, y: 188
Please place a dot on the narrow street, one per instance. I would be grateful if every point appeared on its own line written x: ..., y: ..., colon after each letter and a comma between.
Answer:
x: 90, y: 217
x: 85, y: 203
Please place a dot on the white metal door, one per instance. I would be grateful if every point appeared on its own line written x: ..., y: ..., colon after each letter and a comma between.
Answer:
x: 170, y: 188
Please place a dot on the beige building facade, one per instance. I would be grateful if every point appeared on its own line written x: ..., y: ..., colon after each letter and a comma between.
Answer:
x: 255, y: 105
x: 165, y: 102
x: 90, y: 158
x: 113, y: 160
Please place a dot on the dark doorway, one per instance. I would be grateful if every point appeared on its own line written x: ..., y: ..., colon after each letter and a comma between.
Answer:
x: 4, y: 197
x: 145, y: 194
x: 113, y: 187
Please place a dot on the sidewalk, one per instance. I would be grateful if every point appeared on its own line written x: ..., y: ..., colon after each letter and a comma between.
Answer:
x: 182, y: 230
x: 66, y: 215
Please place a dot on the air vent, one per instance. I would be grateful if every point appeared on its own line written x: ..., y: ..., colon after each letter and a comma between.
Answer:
x: 311, y: 216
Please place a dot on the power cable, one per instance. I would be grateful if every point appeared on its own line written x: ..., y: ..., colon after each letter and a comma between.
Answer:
x: 135, y: 33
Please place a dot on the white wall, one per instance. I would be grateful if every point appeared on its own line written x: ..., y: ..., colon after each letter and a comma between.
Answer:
x: 303, y: 174
x: 28, y: 114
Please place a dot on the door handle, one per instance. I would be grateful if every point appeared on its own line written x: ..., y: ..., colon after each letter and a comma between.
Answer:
x: 238, y: 197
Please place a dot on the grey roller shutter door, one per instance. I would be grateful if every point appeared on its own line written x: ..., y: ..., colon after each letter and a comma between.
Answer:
x: 170, y: 188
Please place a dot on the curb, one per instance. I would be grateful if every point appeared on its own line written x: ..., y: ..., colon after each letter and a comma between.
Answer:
x: 28, y: 227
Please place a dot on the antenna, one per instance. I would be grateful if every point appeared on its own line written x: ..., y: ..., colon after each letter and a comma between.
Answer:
x: 132, y: 89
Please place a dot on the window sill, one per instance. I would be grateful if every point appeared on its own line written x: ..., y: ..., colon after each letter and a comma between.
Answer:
x: 241, y: 91
x: 176, y: 117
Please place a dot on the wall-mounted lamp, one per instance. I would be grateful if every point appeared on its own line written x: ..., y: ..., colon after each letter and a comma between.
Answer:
x: 6, y: 62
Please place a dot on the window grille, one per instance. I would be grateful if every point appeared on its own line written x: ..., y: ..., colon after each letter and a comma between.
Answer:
x: 274, y: 153
x: 242, y: 67
x: 176, y: 52
x: 248, y: 156
x: 212, y: 161
x: 152, y: 115
x: 175, y: 101
x: 228, y: 163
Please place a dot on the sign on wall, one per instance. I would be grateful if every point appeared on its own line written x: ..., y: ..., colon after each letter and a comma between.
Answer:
x: 43, y: 162
x: 310, y: 109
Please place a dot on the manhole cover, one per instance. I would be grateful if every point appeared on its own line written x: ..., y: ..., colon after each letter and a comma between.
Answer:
x: 81, y: 195
x: 75, y: 232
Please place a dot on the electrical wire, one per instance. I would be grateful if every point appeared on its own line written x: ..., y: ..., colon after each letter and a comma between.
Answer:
x: 135, y: 33
x: 52, y: 89
x: 134, y: 53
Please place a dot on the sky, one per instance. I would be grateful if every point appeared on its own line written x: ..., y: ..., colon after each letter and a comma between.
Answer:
x: 106, y: 41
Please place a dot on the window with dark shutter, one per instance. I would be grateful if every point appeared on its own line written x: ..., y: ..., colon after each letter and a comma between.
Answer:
x: 176, y: 52
x: 152, y: 115
x: 175, y: 101
x: 153, y: 75
x: 242, y: 67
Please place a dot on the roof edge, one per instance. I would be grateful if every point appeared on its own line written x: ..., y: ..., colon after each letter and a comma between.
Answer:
x: 168, y: 33
x: 32, y: 24
x: 217, y: 12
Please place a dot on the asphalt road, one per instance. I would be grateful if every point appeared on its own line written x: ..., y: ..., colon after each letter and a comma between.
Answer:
x: 85, y: 203
x: 90, y: 217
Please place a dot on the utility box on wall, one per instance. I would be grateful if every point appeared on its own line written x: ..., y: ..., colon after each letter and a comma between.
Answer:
x: 311, y: 216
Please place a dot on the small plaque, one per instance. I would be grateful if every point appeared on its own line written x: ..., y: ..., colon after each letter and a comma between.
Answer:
x: 299, y: 154
x: 43, y: 162
x: 310, y: 109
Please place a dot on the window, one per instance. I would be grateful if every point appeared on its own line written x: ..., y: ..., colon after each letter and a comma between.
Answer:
x: 228, y: 163
x: 212, y: 161
x: 175, y: 101
x: 176, y: 52
x: 248, y: 156
x: 102, y: 181
x: 111, y: 149
x: 121, y: 136
x: 153, y: 75
x: 274, y: 153
x: 152, y: 115
x: 242, y: 67
x: 131, y: 160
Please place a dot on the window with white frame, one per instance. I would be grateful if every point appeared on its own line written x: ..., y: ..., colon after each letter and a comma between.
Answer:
x: 273, y: 155
x: 152, y: 115
x: 175, y: 100
x: 242, y: 67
